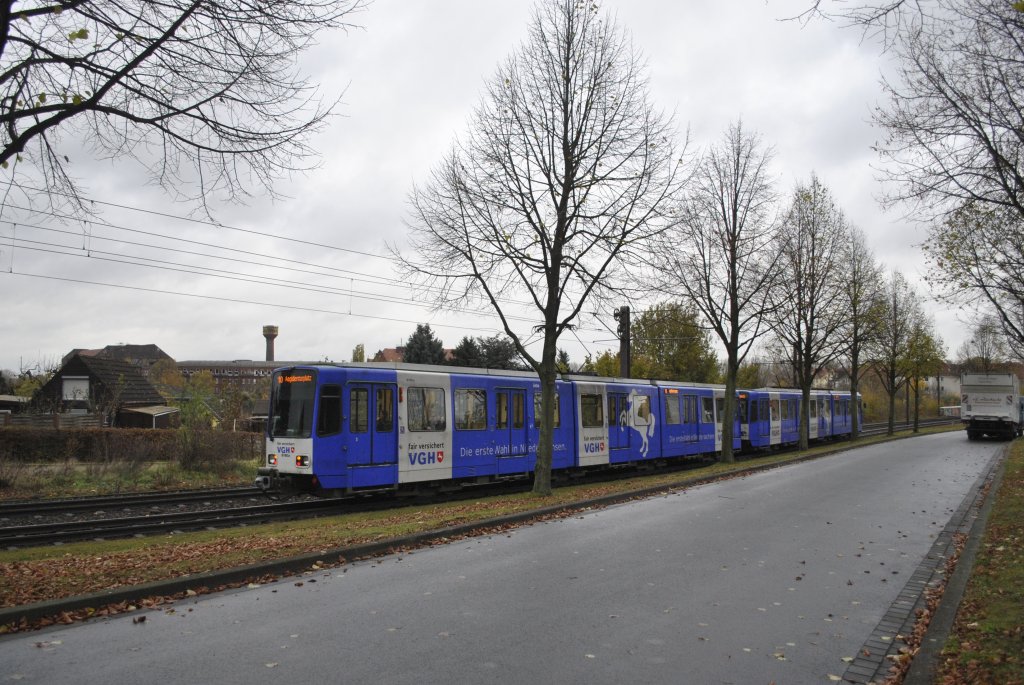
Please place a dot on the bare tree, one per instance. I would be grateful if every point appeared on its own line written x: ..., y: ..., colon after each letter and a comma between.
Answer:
x: 861, y: 296
x: 721, y: 254
x: 986, y: 349
x: 978, y: 253
x: 954, y: 145
x: 954, y: 116
x: 888, y: 351
x: 567, y: 172
x: 811, y: 312
x: 204, y: 94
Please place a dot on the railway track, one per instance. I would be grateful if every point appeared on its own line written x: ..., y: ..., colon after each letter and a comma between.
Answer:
x: 881, y: 427
x: 37, y: 535
x: 35, y: 507
x: 97, y: 518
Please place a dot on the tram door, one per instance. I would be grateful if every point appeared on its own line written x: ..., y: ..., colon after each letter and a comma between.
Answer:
x: 371, y: 416
x: 618, y: 421
x: 824, y: 417
x: 764, y: 424
x: 512, y: 420
x: 691, y: 420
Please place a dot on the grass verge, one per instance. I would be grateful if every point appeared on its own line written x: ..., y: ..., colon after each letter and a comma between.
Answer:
x: 71, y: 478
x: 986, y: 644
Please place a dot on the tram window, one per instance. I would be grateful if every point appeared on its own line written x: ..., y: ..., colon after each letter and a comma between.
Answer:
x: 537, y: 411
x: 618, y: 412
x: 426, y: 409
x: 642, y: 410
x: 385, y: 410
x: 518, y: 409
x: 329, y: 418
x: 591, y: 411
x: 470, y: 409
x: 774, y: 407
x: 707, y: 414
x: 742, y: 409
x: 689, y: 409
x: 358, y: 410
x: 719, y: 409
x: 672, y: 416
x: 813, y: 406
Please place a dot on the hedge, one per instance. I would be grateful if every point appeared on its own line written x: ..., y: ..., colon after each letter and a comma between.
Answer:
x: 95, y: 445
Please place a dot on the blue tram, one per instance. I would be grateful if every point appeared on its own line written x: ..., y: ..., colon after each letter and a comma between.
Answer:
x: 771, y: 416
x: 349, y: 427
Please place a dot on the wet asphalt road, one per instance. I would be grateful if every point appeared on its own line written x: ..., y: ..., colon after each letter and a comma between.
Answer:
x: 774, y: 577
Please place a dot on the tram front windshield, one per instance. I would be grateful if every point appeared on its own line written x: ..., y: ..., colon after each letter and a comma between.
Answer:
x: 291, y: 410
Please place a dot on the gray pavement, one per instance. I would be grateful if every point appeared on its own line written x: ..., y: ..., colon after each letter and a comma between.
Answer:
x: 775, y: 577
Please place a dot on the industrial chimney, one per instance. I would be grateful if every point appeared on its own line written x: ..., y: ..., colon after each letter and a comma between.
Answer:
x: 270, y: 332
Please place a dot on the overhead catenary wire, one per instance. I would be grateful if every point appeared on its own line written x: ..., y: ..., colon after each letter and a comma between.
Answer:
x: 215, y: 224
x: 206, y: 222
x: 292, y: 307
x: 142, y: 261
x: 233, y: 300
x: 347, y: 273
x: 258, y: 281
x: 73, y: 251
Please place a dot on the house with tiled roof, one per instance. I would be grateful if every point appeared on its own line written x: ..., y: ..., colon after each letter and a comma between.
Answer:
x: 113, y: 388
x: 142, y: 356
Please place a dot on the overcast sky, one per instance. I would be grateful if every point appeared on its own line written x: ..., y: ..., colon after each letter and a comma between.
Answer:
x: 411, y: 76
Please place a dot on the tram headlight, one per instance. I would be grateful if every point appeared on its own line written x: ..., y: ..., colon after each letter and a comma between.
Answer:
x: 271, y: 460
x: 301, y: 461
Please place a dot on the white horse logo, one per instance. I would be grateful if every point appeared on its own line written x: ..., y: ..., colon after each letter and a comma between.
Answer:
x: 643, y: 422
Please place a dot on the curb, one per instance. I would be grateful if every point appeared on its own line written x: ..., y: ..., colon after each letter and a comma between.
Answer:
x: 202, y: 582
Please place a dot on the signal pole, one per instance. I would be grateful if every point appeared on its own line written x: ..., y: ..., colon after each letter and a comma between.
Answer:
x: 622, y: 316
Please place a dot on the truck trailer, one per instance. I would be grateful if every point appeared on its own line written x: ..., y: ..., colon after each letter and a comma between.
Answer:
x: 990, y: 404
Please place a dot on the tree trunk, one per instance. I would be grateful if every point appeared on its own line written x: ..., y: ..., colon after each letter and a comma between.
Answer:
x: 805, y: 416
x: 545, y: 444
x: 805, y: 398
x: 854, y: 386
x: 892, y: 404
x: 729, y: 408
x: 917, y: 406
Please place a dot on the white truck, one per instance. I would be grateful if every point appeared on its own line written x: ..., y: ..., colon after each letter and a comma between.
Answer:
x: 990, y: 404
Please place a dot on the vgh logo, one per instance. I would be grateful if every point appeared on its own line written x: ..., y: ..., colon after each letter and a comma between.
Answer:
x: 426, y: 458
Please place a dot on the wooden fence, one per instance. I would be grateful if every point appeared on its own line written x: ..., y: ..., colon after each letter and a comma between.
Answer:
x: 56, y: 421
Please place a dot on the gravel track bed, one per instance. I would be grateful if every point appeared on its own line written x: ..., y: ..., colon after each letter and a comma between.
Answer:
x: 149, y: 509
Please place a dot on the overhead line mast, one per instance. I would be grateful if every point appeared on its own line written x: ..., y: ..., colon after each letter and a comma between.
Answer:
x: 622, y: 316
